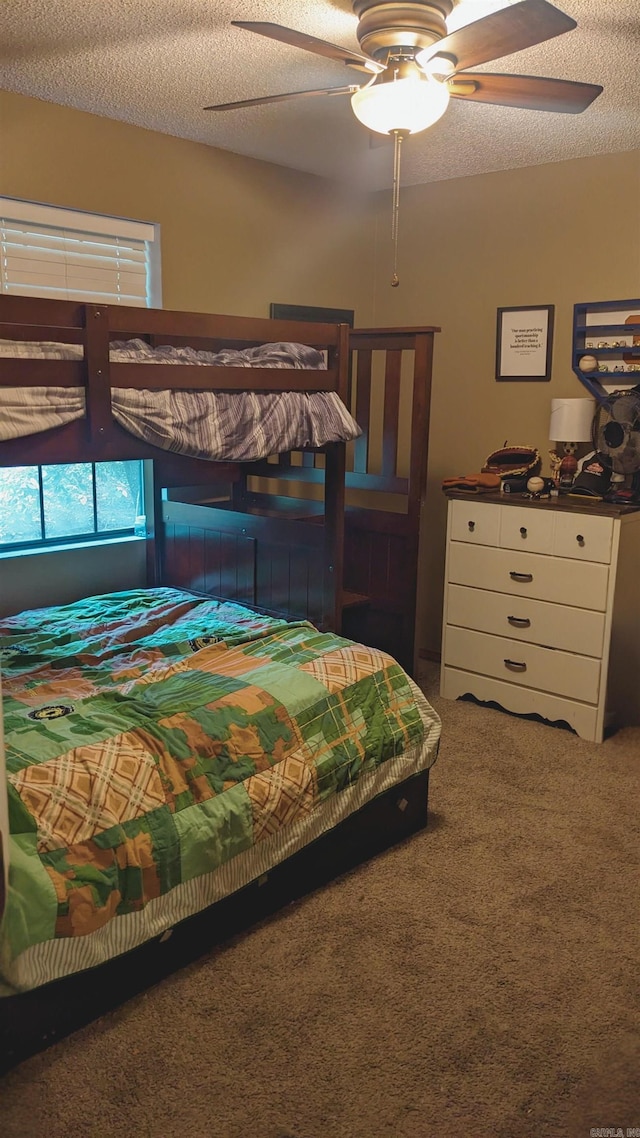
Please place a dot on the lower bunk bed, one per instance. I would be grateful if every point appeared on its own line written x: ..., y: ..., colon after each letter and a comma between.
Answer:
x: 177, y: 767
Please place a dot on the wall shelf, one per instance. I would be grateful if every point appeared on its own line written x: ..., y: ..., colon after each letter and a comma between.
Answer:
x: 603, y: 321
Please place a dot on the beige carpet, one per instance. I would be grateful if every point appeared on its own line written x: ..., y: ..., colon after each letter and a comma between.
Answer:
x: 479, y: 981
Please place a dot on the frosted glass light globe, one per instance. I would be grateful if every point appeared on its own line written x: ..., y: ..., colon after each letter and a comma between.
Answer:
x: 409, y: 104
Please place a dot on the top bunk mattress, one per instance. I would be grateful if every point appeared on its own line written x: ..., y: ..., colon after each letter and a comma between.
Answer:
x: 220, y: 426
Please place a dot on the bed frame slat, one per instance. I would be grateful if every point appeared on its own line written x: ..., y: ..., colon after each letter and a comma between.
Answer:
x: 363, y: 410
x: 393, y: 367
x: 208, y: 377
x: 41, y: 373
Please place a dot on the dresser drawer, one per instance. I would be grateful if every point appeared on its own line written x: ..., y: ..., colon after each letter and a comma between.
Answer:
x: 560, y: 673
x: 555, y: 579
x: 582, y: 717
x: 474, y: 521
x: 526, y: 529
x: 520, y: 618
x: 582, y: 537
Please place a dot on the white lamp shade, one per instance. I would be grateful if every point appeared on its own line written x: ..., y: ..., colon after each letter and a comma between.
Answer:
x: 571, y: 420
x: 410, y: 104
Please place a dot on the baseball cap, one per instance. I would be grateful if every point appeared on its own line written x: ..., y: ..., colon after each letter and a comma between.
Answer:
x: 593, y: 480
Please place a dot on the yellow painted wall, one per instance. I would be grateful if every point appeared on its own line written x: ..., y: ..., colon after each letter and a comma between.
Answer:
x: 236, y: 233
x: 556, y: 234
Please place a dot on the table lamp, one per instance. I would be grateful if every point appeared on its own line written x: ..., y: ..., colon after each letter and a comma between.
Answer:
x: 570, y: 424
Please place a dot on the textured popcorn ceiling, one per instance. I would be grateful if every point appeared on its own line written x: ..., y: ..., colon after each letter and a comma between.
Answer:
x: 156, y: 63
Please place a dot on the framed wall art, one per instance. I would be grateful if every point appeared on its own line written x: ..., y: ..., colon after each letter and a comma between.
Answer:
x: 524, y: 343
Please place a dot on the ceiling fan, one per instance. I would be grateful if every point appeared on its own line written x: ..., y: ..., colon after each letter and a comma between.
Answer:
x: 415, y: 66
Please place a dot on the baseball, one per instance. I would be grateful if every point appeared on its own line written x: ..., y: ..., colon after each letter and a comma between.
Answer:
x: 535, y: 485
x: 587, y: 363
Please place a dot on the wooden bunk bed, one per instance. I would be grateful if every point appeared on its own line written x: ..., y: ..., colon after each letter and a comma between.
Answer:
x: 246, y: 553
x: 98, y: 437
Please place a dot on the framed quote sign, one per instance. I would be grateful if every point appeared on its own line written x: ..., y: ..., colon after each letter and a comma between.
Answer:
x: 524, y: 343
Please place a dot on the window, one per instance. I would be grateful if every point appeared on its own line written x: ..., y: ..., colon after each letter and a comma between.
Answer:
x: 69, y: 255
x: 83, y: 501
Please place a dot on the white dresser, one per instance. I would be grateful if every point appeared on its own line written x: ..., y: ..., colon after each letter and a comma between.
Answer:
x: 542, y: 609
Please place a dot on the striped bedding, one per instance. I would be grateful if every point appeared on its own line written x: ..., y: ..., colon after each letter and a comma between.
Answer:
x: 164, y: 750
x: 222, y: 426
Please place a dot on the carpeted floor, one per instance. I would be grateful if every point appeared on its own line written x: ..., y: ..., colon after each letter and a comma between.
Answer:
x: 480, y: 981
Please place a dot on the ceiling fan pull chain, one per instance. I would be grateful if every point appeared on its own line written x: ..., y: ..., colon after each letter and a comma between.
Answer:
x: 395, y: 213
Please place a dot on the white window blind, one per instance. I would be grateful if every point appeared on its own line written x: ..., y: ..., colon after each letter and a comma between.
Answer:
x: 68, y: 255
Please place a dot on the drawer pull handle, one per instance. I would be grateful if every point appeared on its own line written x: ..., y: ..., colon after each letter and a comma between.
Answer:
x: 580, y: 539
x: 515, y: 666
x: 519, y: 621
x: 523, y: 531
x: 521, y: 576
x: 472, y: 526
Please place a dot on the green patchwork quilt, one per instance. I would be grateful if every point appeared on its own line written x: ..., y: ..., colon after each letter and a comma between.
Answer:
x: 164, y: 748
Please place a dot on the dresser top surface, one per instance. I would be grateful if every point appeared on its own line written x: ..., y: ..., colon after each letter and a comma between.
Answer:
x: 564, y: 502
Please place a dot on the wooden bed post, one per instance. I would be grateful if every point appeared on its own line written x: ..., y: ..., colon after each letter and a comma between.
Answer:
x: 154, y: 523
x: 420, y: 417
x: 97, y: 363
x: 344, y: 369
x: 239, y: 491
x: 333, y: 535
x: 334, y: 501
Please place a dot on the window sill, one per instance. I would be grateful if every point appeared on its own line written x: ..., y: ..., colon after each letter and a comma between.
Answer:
x: 68, y: 546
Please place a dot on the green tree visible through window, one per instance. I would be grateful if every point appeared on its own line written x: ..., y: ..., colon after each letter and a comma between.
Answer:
x: 74, y: 500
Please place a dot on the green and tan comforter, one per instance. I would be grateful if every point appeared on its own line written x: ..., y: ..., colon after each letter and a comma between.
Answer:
x: 164, y: 749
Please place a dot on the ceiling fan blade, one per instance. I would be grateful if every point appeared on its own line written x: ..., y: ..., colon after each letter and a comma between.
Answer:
x: 263, y: 99
x: 309, y: 43
x: 501, y: 33
x: 532, y: 92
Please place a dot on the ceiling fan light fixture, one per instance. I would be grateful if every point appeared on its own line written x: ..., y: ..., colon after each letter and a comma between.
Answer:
x: 401, y: 100
x: 440, y: 66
